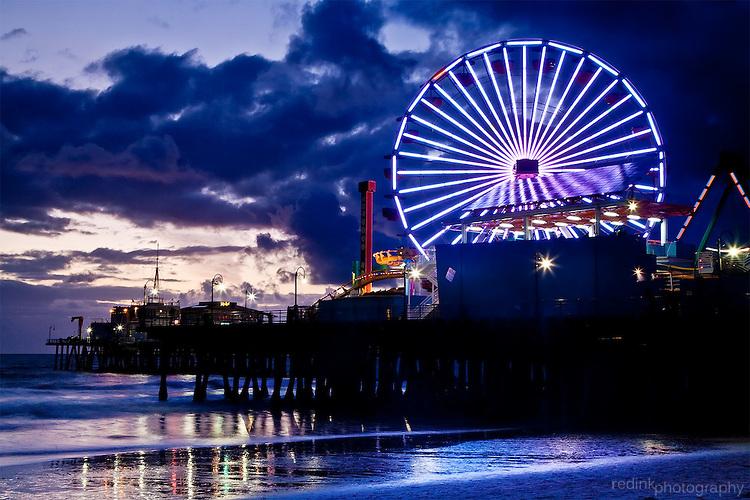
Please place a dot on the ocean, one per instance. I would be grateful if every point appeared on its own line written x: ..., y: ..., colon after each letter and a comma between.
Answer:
x: 83, y: 435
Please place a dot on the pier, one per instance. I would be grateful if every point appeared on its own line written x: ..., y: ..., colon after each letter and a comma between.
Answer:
x: 650, y: 369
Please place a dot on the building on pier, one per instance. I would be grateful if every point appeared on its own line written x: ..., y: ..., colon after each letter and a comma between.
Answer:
x: 221, y: 313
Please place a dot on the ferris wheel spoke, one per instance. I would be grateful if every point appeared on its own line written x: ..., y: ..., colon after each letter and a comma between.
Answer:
x: 536, y: 95
x: 591, y: 123
x: 505, y: 147
x: 549, y: 157
x: 490, y: 72
x: 500, y: 150
x: 612, y: 156
x: 513, y: 98
x: 549, y: 98
x: 451, y: 208
x: 601, y: 146
x: 435, y: 236
x: 444, y: 147
x: 523, y: 99
x: 558, y: 106
x: 572, y: 124
x: 452, y: 195
x: 449, y: 183
x: 444, y: 159
x: 456, y: 137
x: 440, y: 172
x: 479, y: 85
x: 570, y: 110
x: 454, y: 122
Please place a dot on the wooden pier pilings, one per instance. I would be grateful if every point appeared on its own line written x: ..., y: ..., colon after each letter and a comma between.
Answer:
x: 609, y: 370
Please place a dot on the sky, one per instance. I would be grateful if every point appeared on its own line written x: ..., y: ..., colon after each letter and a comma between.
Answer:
x: 234, y: 133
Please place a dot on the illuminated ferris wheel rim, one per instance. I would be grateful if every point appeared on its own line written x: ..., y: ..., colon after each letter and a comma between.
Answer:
x: 494, y: 143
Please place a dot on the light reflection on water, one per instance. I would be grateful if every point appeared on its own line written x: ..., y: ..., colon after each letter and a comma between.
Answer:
x: 252, y: 469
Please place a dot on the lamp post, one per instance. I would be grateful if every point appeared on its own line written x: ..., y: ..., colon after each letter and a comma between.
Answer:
x: 218, y: 279
x: 296, y: 273
x: 145, y: 287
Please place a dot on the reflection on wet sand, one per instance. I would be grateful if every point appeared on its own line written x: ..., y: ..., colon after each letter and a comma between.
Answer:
x: 298, y: 465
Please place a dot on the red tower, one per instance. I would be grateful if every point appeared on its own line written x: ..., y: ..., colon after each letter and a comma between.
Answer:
x: 366, y: 188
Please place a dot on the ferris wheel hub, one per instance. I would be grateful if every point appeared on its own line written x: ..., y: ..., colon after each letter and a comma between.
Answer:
x: 526, y: 168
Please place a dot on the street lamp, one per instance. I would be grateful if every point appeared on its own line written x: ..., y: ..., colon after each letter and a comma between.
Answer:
x: 217, y: 280
x: 296, y: 273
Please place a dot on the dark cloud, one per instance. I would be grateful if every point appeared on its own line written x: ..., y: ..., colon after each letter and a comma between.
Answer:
x: 173, y: 140
x: 252, y: 142
x: 14, y: 33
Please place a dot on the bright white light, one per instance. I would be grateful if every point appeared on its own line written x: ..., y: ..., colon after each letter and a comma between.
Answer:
x: 545, y: 263
x: 632, y: 206
x: 603, y: 64
x: 419, y: 247
x: 523, y: 100
x: 508, y: 141
x: 611, y: 214
x: 221, y: 287
x: 483, y: 50
x: 400, y: 132
x: 393, y: 172
x: 603, y: 145
x: 549, y: 156
x: 634, y: 93
x: 662, y: 172
x: 119, y: 328
x: 505, y: 225
x: 646, y: 188
x: 634, y: 216
x: 536, y: 95
x: 561, y: 224
x: 415, y: 274
x: 441, y: 172
x: 570, y: 110
x: 654, y: 219
x: 538, y: 221
x: 573, y: 217
x: 578, y: 118
x: 484, y: 117
x: 450, y: 183
x: 400, y: 212
x: 459, y: 125
x: 541, y: 141
x: 501, y: 151
x: 419, y: 97
x: 441, y: 146
x: 448, y: 160
x: 638, y: 272
x: 453, y: 136
x: 434, y: 237
x: 637, y: 224
x: 587, y: 200
x: 456, y: 239
x: 525, y: 42
x: 606, y: 157
x: 488, y: 66
x: 733, y: 251
x: 451, y: 195
x: 512, y: 94
x: 464, y: 215
x: 565, y: 47
x: 653, y: 128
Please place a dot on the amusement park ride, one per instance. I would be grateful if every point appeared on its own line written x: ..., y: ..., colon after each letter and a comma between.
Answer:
x: 524, y: 139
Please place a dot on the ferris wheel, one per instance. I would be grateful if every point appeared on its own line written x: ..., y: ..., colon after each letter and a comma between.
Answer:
x: 527, y: 139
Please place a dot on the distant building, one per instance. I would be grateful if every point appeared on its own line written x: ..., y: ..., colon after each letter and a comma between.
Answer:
x: 221, y: 313
x: 131, y: 322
